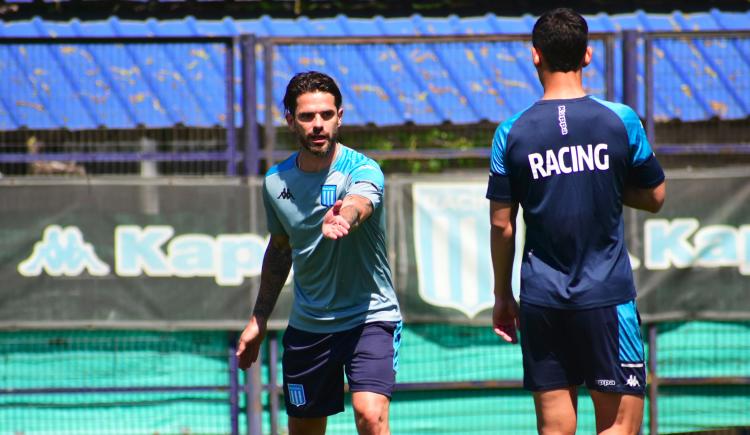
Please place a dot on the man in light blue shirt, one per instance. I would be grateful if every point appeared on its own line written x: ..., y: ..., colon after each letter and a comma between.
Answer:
x: 324, y: 209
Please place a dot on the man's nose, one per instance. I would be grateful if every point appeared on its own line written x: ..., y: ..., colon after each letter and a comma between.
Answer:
x: 318, y: 121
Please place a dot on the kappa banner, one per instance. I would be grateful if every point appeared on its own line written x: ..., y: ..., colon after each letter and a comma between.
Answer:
x: 152, y: 251
x: 692, y: 260
x: 130, y: 255
x: 188, y: 254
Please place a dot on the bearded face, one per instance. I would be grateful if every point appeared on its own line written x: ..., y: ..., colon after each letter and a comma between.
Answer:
x: 315, y: 122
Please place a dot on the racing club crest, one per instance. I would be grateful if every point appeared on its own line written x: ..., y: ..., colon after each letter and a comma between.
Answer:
x: 328, y: 195
x: 451, y: 234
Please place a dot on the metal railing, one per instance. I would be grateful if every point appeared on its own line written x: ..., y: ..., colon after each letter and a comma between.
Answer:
x: 128, y: 80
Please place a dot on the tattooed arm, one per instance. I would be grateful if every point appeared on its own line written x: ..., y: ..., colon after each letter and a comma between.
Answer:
x: 277, y: 262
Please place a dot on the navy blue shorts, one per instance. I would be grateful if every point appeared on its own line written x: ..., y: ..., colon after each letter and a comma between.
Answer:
x: 313, y: 364
x: 600, y: 346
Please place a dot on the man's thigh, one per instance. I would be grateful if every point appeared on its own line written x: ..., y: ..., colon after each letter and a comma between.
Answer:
x: 556, y: 411
x: 601, y: 346
x: 373, y: 363
x: 549, y: 349
x: 313, y: 374
x: 612, y: 349
x: 313, y: 366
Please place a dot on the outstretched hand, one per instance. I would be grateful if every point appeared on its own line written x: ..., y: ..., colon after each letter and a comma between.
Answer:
x: 505, y: 320
x: 248, y: 345
x: 334, y: 225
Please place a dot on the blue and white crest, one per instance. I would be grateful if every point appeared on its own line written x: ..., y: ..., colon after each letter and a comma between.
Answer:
x: 452, y: 241
x: 328, y: 195
x: 296, y: 394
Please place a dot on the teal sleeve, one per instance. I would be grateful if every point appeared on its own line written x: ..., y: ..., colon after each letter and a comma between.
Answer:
x: 367, y: 180
x: 273, y: 224
x: 499, y: 142
x: 645, y: 171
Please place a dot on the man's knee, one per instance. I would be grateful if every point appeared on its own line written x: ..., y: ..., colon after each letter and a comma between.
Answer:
x: 371, y: 413
x: 617, y: 414
x: 370, y: 417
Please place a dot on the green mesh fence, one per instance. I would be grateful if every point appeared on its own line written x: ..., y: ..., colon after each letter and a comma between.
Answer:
x: 703, y: 350
x: 120, y: 359
x: 430, y: 353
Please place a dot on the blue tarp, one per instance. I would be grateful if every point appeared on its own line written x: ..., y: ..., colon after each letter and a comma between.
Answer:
x: 83, y: 86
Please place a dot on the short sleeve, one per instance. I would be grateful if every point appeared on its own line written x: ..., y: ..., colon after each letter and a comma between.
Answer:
x: 367, y: 180
x: 498, y: 185
x: 499, y: 144
x: 645, y: 170
x: 273, y: 224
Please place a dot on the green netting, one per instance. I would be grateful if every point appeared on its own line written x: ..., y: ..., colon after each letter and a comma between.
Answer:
x: 690, y: 409
x: 702, y: 349
x: 430, y: 353
x: 101, y: 359
x: 115, y: 414
x: 112, y: 359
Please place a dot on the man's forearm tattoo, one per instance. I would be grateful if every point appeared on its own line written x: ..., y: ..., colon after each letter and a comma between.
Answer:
x: 276, y: 265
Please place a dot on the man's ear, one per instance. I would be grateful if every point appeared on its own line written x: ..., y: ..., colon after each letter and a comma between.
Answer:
x: 289, y: 120
x: 588, y: 56
x: 341, y: 115
x: 536, y: 57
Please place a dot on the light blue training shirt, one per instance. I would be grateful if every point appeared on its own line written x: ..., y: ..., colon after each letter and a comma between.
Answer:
x: 338, y: 284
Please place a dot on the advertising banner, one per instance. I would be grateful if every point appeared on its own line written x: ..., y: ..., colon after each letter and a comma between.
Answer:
x: 690, y: 261
x: 183, y: 254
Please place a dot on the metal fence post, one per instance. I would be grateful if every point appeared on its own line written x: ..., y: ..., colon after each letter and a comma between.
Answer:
x: 609, y: 62
x: 253, y: 390
x: 269, y: 133
x: 230, y: 122
x: 648, y: 78
x: 234, y: 388
x: 653, y: 385
x: 249, y: 105
x: 630, y: 68
x: 273, y: 394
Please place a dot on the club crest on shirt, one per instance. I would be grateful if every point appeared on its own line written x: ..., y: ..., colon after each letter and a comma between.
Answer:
x: 328, y: 195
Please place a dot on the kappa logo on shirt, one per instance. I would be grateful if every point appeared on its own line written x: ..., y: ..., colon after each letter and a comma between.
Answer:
x: 286, y: 194
x: 562, y: 120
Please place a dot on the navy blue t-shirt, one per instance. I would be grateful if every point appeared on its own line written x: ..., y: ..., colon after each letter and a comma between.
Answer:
x: 567, y: 163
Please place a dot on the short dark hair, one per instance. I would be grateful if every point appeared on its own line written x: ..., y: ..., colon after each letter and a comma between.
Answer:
x: 561, y: 35
x: 309, y: 81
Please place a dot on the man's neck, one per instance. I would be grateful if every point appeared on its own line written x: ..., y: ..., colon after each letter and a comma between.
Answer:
x: 562, y: 85
x: 309, y: 162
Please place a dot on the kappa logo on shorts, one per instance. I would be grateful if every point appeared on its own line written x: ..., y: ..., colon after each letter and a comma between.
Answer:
x: 296, y: 394
x: 605, y: 382
x: 632, y: 382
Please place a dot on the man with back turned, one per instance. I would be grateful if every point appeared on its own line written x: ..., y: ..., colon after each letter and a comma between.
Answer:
x: 571, y: 161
